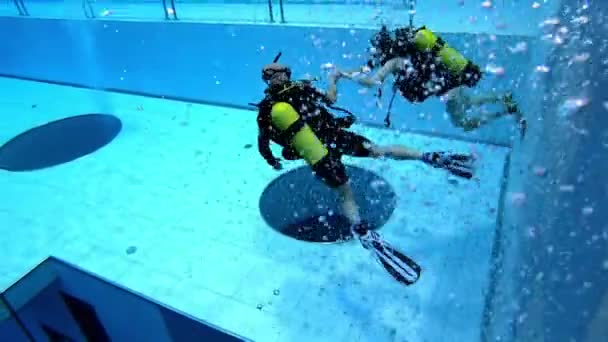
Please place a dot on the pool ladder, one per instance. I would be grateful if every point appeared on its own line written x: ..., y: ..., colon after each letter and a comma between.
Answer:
x: 280, y: 9
x: 21, y: 8
x: 171, y: 10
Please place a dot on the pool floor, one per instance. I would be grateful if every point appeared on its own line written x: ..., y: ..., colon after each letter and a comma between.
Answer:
x: 180, y: 184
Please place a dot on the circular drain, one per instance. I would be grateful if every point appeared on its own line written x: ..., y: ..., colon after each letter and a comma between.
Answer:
x: 58, y: 142
x: 301, y: 206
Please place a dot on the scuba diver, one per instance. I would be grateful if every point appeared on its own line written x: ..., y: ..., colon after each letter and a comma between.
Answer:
x: 458, y: 105
x: 295, y: 115
x: 422, y: 63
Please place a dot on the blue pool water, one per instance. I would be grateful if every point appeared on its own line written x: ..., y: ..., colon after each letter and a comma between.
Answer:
x: 166, y: 195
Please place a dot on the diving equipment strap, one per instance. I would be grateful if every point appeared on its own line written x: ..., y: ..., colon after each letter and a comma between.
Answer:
x: 387, y: 118
x: 412, y: 11
x: 345, y: 111
x: 290, y: 132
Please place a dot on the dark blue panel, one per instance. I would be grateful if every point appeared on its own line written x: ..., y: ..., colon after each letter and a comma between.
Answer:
x: 184, y: 329
x: 47, y: 309
x: 10, y: 331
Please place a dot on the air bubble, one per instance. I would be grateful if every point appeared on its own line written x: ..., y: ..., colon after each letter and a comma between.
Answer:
x: 518, y: 198
x: 519, y: 47
x: 539, y: 171
x: 487, y: 4
x: 566, y: 188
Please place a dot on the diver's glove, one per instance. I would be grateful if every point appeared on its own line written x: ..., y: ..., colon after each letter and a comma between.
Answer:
x: 510, y: 104
x: 290, y: 154
x: 275, y: 163
x: 346, y: 121
x: 457, y: 164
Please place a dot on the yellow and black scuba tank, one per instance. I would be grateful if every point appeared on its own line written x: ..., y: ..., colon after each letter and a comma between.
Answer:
x: 460, y: 68
x: 279, y: 106
x: 422, y: 46
x: 418, y: 44
x: 300, y: 136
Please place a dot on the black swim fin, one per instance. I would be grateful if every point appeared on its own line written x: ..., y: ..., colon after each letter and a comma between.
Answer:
x: 398, y: 265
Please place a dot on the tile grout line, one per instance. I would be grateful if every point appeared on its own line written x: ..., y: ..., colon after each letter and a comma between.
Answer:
x: 496, y: 253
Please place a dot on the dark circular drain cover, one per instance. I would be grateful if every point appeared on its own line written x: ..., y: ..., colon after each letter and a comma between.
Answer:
x: 299, y: 205
x: 59, y: 142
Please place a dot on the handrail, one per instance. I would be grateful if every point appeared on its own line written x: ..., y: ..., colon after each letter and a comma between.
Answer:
x: 165, y: 10
x: 270, y: 11
x: 21, y: 8
x: 282, y: 12
x: 87, y: 5
x: 174, y: 10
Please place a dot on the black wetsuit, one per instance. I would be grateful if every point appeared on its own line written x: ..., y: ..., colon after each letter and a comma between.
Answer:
x: 330, y: 130
x: 427, y: 76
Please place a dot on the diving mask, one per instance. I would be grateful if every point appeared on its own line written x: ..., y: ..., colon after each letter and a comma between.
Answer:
x: 270, y: 70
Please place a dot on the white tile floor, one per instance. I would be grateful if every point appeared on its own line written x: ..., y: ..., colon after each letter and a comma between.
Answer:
x: 179, y: 185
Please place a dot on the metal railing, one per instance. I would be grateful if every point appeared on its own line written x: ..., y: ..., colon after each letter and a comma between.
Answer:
x: 265, y: 10
x: 170, y: 10
x: 88, y: 9
x: 21, y: 8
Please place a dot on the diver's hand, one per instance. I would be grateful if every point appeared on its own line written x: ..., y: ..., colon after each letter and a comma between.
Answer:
x: 335, y: 75
x: 346, y: 121
x: 347, y: 75
x: 275, y: 163
x: 457, y: 164
x: 353, y: 73
x: 349, y: 120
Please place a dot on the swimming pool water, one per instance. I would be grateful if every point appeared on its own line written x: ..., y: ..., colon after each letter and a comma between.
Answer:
x: 170, y: 208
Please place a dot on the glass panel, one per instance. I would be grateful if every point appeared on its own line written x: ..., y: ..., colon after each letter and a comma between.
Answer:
x: 10, y: 330
x: 226, y: 11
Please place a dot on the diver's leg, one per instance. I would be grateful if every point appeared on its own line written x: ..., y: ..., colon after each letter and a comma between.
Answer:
x: 469, y: 124
x: 333, y: 172
x: 457, y: 110
x: 483, y: 99
x: 457, y: 107
x: 397, y: 152
x: 356, y: 145
x: 396, y: 263
x: 349, y: 206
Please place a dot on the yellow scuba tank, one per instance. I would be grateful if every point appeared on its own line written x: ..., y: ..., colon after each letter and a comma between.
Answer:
x: 427, y: 41
x: 286, y: 119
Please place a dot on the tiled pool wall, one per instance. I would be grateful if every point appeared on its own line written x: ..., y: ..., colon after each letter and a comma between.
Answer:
x: 554, y: 277
x: 221, y: 63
